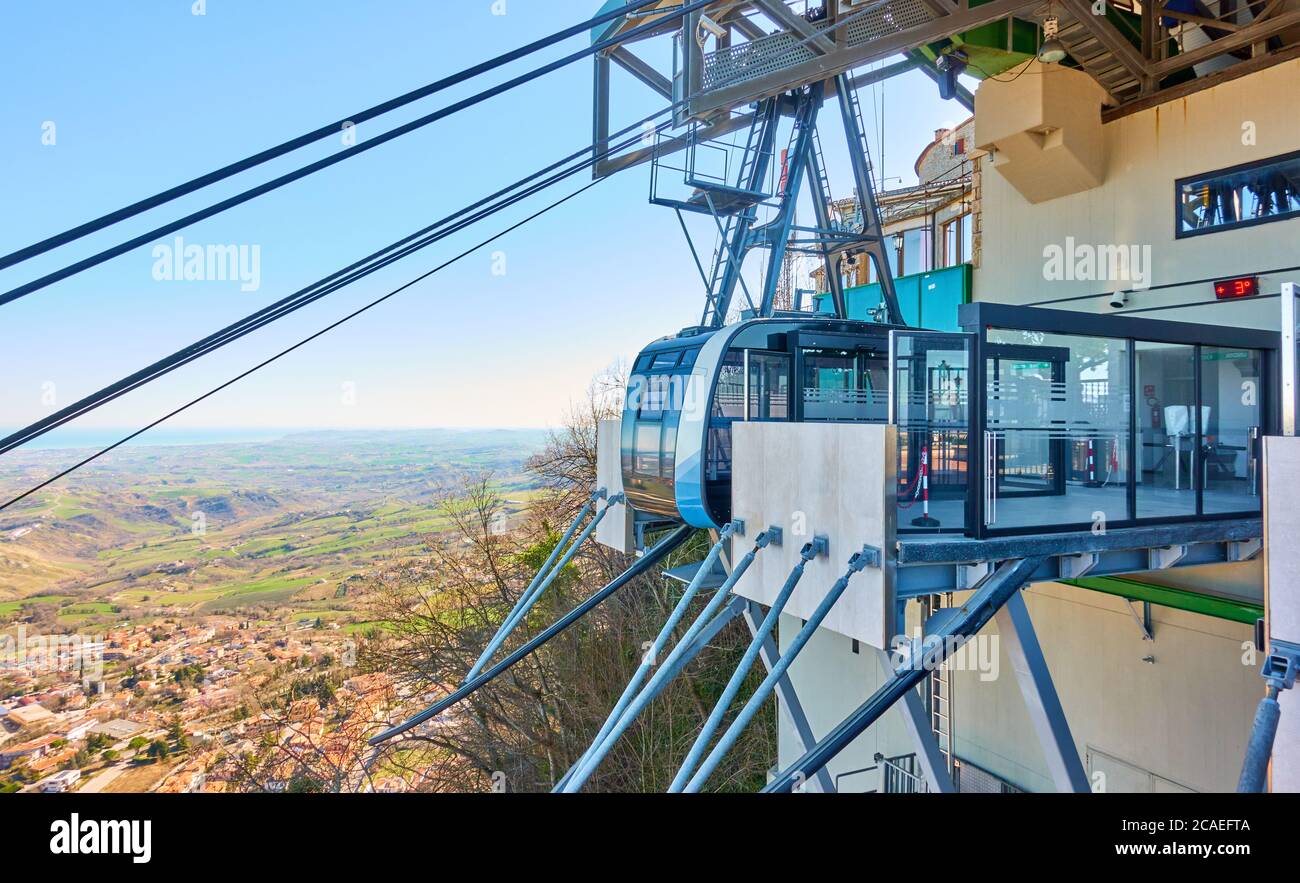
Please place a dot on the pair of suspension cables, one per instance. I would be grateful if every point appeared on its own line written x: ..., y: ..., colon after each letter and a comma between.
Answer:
x: 583, y: 159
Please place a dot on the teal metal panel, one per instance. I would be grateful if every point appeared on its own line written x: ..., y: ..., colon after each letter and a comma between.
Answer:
x: 928, y: 300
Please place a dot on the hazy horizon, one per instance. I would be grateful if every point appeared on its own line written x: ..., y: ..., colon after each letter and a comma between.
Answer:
x: 101, y: 436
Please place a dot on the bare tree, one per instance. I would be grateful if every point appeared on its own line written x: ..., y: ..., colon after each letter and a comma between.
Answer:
x: 524, y: 729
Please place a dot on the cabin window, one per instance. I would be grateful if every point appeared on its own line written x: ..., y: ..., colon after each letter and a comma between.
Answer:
x: 845, y: 385
x: 1242, y: 196
x: 769, y: 386
x: 729, y: 395
x: 646, y: 449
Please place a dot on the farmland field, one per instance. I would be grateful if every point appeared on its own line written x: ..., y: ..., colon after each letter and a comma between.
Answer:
x: 281, y: 529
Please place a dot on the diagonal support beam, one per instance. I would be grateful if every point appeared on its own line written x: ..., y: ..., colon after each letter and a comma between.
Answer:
x: 873, y: 229
x: 1021, y: 643
x: 830, y: 260
x: 746, y: 27
x: 634, y: 65
x: 1255, y: 32
x: 787, y: 698
x: 928, y: 754
x: 884, y: 73
x: 642, y: 565
x: 777, y: 231
x: 972, y: 616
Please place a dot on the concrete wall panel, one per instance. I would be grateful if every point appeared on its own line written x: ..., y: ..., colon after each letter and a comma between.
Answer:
x: 819, y: 478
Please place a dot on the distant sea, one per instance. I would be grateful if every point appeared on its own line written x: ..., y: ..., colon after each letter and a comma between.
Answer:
x: 160, y: 437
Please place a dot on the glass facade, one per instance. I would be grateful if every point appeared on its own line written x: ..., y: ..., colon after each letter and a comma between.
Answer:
x: 1089, y: 432
x: 1166, y: 427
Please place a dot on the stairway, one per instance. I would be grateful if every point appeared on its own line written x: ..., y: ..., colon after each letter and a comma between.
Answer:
x: 1098, y: 61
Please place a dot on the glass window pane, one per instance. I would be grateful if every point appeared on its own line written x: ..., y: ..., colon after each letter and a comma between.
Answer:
x: 1058, y: 423
x: 646, y: 449
x: 1268, y: 191
x: 916, y: 251
x: 1165, y: 419
x: 1230, y: 418
x: 729, y: 395
x: 931, y: 385
x: 769, y: 386
x: 659, y: 393
x: 845, y: 384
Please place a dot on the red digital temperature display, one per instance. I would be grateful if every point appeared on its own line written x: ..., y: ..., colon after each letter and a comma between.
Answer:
x: 1242, y: 286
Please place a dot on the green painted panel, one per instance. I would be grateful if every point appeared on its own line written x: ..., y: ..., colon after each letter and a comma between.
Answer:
x: 1179, y: 599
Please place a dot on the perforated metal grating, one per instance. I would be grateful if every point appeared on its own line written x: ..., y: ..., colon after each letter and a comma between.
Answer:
x: 777, y: 52
x: 758, y: 58
x: 888, y: 19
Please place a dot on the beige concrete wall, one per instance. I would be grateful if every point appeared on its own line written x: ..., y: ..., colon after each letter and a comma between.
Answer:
x: 828, y: 674
x: 1183, y: 718
x: 1178, y: 723
x: 1147, y: 151
x: 810, y: 479
x: 1042, y: 128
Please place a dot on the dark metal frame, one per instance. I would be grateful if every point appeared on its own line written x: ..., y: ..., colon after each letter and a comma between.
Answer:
x: 1144, y: 59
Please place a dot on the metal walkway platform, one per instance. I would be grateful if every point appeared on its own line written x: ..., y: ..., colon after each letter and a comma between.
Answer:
x: 939, y: 563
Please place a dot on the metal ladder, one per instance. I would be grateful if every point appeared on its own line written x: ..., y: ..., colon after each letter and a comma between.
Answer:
x: 941, y: 681
x: 757, y: 146
x: 735, y: 231
x: 861, y: 134
x: 823, y: 181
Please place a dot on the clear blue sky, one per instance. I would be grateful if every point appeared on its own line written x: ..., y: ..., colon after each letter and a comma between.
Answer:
x: 144, y: 95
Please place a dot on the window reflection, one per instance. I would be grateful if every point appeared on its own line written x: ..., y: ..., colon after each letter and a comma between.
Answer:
x: 1268, y: 191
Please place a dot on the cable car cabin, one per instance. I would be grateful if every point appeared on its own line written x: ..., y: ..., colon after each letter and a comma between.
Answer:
x: 685, y: 392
